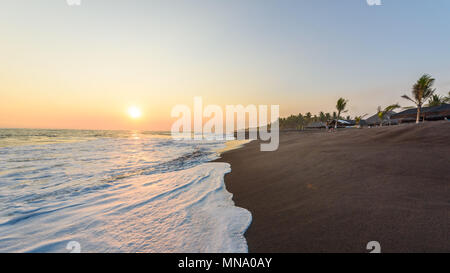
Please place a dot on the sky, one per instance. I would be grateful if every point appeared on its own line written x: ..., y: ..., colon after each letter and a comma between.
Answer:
x: 82, y: 67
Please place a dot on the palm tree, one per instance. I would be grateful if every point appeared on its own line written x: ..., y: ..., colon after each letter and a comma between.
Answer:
x: 359, y: 118
x: 340, y: 106
x: 447, y: 99
x: 322, y: 117
x: 421, y: 91
x: 308, y: 115
x: 436, y: 100
x: 382, y: 113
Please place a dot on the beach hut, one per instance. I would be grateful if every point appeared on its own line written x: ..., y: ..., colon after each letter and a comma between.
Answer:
x: 342, y: 123
x: 376, y: 121
x: 362, y: 123
x: 427, y: 113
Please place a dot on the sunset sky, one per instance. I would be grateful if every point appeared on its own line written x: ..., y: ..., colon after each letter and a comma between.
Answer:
x: 83, y: 67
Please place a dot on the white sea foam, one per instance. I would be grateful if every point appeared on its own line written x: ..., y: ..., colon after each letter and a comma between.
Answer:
x: 118, y: 194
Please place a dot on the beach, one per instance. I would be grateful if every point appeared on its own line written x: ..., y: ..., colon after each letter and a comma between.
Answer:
x: 335, y: 192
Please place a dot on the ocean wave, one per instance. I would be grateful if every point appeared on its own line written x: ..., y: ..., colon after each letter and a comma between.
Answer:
x: 118, y: 194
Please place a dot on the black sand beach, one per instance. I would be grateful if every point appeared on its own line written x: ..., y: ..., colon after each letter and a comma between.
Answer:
x: 335, y: 192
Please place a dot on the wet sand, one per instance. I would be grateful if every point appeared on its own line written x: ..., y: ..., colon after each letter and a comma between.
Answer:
x: 335, y: 192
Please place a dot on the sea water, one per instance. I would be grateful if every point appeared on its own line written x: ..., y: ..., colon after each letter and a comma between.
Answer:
x: 115, y: 191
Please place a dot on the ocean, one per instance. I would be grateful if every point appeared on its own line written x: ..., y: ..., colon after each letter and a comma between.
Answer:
x: 115, y: 191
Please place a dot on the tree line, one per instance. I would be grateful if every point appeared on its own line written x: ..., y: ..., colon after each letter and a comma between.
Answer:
x: 423, y: 94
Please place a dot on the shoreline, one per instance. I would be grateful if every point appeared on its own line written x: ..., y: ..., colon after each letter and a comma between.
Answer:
x: 323, y: 192
x: 232, y: 145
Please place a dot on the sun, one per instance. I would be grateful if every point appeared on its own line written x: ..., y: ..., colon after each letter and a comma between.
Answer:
x: 134, y: 112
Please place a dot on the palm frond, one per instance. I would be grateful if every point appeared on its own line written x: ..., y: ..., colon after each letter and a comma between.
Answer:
x: 341, y: 104
x: 408, y: 107
x: 436, y: 100
x: 408, y: 98
x: 391, y: 107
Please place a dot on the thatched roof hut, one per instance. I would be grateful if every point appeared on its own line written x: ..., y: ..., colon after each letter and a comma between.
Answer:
x: 342, y: 123
x: 428, y: 113
x: 388, y: 119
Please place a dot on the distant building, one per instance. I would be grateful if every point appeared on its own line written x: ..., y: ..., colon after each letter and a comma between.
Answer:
x: 376, y: 121
x: 342, y: 123
x: 427, y: 113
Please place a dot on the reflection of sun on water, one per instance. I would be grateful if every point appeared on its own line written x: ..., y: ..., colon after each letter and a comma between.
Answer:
x: 135, y: 135
x: 134, y: 112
